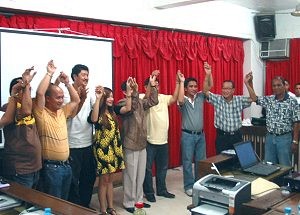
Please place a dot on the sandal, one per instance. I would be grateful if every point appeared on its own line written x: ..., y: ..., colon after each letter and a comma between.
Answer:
x: 111, y: 211
x: 103, y: 213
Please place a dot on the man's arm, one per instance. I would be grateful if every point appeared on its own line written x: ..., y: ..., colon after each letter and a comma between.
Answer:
x: 152, y: 100
x: 8, y: 116
x: 180, y: 98
x: 179, y: 83
x: 248, y: 80
x: 74, y: 97
x: 148, y: 89
x: 128, y: 102
x: 44, y: 84
x: 26, y: 107
x: 208, y: 80
x: 82, y: 93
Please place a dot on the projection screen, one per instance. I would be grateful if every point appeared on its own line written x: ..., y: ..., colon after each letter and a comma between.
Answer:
x: 22, y: 49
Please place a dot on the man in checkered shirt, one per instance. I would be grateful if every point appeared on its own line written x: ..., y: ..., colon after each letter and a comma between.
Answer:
x: 228, y: 111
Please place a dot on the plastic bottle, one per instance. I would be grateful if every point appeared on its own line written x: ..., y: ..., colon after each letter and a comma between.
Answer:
x: 139, y: 209
x: 298, y: 210
x: 287, y: 211
x: 47, y: 211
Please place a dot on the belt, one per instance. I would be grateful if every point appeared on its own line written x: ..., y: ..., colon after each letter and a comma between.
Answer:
x: 192, y: 132
x: 228, y: 133
x: 280, y: 134
x: 57, y: 162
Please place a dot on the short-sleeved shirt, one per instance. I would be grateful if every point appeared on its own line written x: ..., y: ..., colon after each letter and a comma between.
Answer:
x: 158, y: 120
x: 22, y: 148
x: 192, y: 113
x: 52, y: 128
x: 80, y: 132
x: 228, y: 115
x: 280, y: 114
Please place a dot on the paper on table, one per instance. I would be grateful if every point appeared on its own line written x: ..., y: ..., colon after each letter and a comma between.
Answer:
x: 209, y: 210
x: 260, y: 187
x: 7, y: 202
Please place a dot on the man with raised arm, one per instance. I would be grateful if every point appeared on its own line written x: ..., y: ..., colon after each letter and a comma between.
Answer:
x: 282, y: 121
x: 228, y: 112
x: 51, y: 116
x: 192, y: 136
x: 157, y: 140
x: 22, y: 147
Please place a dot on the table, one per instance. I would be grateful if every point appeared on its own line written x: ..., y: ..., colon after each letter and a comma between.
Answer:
x: 44, y: 200
x: 228, y: 165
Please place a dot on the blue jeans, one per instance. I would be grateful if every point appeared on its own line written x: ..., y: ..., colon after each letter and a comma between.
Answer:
x: 159, y: 154
x: 192, y: 146
x: 57, y: 180
x: 278, y: 149
x: 29, y: 180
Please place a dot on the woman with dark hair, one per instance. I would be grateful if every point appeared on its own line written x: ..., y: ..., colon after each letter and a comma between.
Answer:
x: 107, y: 144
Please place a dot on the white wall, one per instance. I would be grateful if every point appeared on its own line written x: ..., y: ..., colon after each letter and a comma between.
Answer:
x: 215, y: 17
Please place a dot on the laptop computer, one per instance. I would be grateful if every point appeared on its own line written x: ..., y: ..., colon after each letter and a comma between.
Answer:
x: 250, y: 162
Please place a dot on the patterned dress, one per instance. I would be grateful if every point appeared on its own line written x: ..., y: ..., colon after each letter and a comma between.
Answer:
x: 107, y: 148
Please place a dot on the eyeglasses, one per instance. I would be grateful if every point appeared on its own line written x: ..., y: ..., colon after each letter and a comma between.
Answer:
x: 227, y: 88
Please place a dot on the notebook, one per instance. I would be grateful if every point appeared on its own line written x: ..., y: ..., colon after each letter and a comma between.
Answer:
x: 250, y: 162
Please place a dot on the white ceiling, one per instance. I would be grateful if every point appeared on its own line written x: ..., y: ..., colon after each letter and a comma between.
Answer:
x: 257, y: 5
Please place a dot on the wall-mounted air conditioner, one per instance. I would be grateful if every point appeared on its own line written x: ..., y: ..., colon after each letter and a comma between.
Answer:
x: 275, y: 49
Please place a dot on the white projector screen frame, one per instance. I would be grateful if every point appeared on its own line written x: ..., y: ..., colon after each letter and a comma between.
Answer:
x: 21, y: 49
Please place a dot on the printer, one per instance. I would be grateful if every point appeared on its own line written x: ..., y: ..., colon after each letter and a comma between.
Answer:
x: 218, y: 195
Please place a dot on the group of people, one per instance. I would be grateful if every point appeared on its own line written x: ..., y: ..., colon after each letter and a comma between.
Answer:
x: 49, y: 140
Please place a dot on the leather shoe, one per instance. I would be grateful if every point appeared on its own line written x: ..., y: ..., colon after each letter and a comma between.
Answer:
x: 130, y: 210
x: 146, y: 205
x: 167, y: 195
x: 150, y: 198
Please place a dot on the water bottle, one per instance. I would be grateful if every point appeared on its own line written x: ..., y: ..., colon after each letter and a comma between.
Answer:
x: 287, y: 211
x: 298, y: 209
x: 47, y: 211
x: 139, y: 209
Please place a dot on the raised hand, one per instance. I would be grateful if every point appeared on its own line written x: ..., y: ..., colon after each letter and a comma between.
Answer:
x: 82, y: 92
x: 99, y: 92
x: 207, y: 68
x: 51, y: 68
x: 63, y: 78
x: 180, y: 77
x: 248, y: 78
x: 27, y: 76
x: 133, y: 84
x: 129, y: 84
x: 152, y: 80
x: 155, y: 72
x: 16, y: 88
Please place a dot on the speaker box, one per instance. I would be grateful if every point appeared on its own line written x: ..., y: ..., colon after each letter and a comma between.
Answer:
x: 265, y: 27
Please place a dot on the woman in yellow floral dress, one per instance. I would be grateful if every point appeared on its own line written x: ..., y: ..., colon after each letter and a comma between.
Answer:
x: 107, y: 144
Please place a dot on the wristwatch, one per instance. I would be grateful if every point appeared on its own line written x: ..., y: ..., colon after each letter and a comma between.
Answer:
x: 295, y: 142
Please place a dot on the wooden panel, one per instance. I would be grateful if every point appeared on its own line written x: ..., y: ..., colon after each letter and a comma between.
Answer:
x: 257, y: 135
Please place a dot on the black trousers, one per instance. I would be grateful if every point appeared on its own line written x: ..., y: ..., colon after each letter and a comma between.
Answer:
x: 225, y: 140
x: 84, y: 175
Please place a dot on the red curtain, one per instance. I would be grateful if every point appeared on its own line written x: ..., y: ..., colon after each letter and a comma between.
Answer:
x: 288, y: 68
x: 137, y: 52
